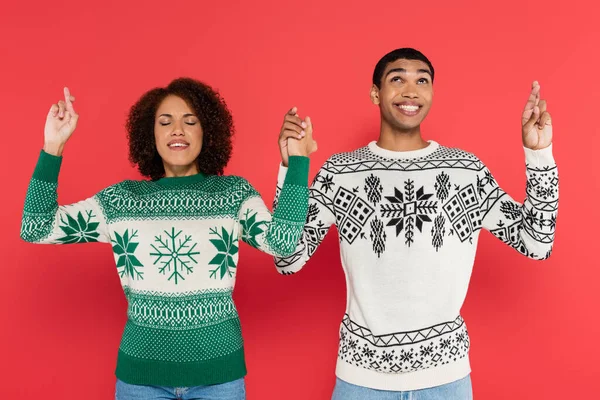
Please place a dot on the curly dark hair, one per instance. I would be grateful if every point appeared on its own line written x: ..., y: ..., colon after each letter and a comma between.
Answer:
x: 209, y: 107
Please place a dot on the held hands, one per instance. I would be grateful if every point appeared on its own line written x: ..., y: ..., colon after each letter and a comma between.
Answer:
x: 295, y: 137
x: 536, y: 121
x: 60, y: 124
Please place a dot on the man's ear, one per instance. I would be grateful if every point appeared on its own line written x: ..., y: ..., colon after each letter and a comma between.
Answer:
x: 375, y: 94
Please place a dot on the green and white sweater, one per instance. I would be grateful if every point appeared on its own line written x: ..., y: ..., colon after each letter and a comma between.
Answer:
x: 175, y: 243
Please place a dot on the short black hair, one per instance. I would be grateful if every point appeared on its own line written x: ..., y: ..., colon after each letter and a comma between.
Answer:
x: 405, y: 53
x: 215, y: 119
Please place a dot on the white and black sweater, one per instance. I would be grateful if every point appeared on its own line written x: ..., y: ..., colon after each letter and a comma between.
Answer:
x: 408, y: 225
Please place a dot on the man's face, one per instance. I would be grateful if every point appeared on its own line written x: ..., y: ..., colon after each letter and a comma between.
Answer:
x: 405, y: 94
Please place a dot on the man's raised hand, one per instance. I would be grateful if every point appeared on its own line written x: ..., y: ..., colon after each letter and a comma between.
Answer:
x: 536, y: 121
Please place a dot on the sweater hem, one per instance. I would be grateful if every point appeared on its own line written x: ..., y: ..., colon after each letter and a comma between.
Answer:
x: 139, y: 371
x: 423, y: 379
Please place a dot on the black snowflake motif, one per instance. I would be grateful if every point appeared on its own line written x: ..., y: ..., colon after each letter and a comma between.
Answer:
x: 408, y: 209
x: 326, y: 182
x: 445, y: 343
x: 367, y: 352
x: 426, y: 351
x: 442, y: 186
x: 544, y: 192
x: 510, y: 210
x: 352, y: 343
x: 387, y: 357
x: 406, y: 356
x: 373, y: 189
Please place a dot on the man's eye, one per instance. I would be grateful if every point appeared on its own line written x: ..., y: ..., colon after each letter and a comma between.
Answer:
x: 164, y: 123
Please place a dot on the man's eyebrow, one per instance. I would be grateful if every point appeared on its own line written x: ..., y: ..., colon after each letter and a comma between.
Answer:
x: 402, y: 70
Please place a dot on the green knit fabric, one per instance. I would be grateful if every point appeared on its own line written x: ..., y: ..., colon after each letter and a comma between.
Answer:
x: 176, y: 247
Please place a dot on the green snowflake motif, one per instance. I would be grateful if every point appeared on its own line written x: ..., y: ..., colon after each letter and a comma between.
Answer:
x: 251, y: 229
x: 124, y: 247
x: 226, y: 245
x: 175, y: 255
x: 79, y: 230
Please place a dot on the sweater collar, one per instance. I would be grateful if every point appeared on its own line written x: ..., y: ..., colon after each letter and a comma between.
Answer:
x: 433, y: 146
x: 181, y: 180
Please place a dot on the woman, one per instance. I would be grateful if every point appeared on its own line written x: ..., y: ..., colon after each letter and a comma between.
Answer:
x: 174, y: 236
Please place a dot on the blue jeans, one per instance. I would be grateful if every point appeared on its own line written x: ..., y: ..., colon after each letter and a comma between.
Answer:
x: 458, y: 390
x: 235, y: 390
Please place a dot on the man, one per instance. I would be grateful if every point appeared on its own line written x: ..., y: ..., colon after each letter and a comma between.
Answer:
x: 409, y: 213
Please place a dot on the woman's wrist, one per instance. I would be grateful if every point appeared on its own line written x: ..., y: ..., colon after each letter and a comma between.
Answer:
x: 55, y: 149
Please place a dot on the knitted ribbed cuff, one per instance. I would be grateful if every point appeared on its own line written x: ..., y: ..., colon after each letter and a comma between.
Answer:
x: 539, y: 158
x: 47, y: 168
x: 297, y: 172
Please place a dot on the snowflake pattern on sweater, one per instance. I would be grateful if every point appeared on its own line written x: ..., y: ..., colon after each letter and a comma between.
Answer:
x: 408, y: 225
x: 176, y: 247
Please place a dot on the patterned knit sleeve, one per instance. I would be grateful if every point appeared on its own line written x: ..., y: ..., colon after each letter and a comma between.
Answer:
x: 44, y: 221
x: 277, y: 234
x: 529, y: 227
x: 319, y: 219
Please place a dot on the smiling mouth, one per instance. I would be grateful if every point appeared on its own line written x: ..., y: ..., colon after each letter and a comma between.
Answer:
x: 178, y: 146
x: 408, y: 109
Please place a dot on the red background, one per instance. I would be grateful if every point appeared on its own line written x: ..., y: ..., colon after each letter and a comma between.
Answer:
x: 534, y: 326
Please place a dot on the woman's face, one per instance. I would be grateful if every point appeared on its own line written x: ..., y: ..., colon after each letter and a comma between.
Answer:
x: 178, y: 135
